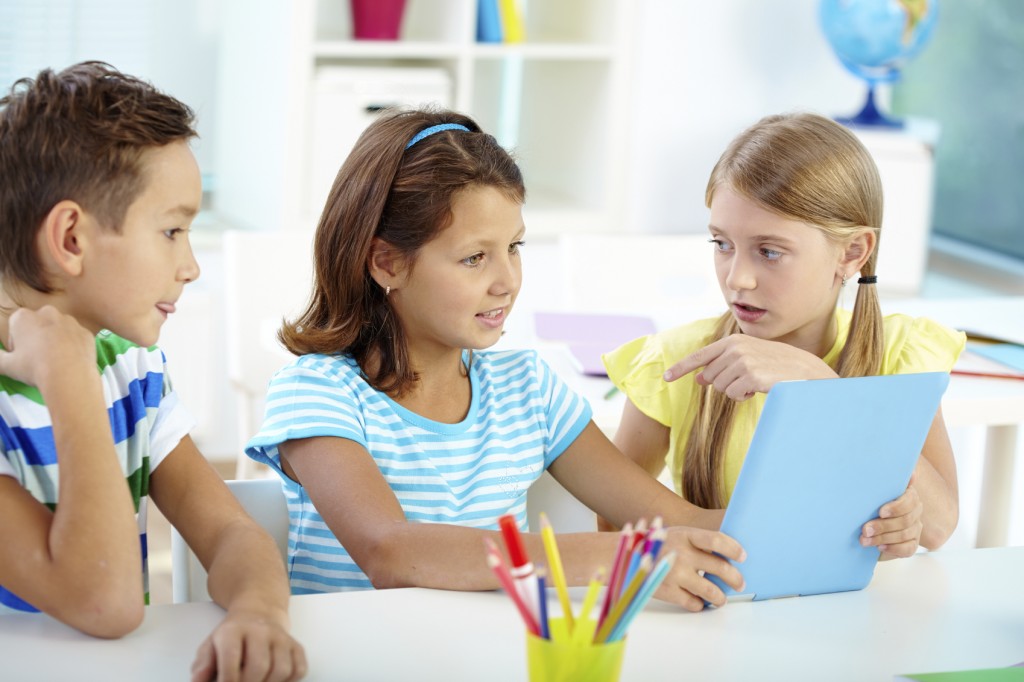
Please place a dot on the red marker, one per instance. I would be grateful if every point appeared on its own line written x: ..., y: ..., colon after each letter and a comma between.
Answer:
x: 522, y: 567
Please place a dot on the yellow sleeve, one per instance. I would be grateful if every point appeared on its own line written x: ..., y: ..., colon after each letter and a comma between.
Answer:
x: 637, y: 368
x: 920, y: 345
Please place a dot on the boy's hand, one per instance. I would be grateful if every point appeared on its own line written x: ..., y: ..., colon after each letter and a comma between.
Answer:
x: 250, y: 646
x: 46, y: 345
x: 897, y: 530
x: 696, y: 551
x: 741, y: 365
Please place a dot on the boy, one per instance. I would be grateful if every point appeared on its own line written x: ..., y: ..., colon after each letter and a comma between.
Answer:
x: 98, y: 191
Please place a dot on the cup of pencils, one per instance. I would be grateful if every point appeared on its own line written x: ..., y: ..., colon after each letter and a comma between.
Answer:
x: 587, y: 645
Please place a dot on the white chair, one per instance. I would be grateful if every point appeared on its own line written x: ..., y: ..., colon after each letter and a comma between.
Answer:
x: 670, y: 275
x: 264, y: 501
x: 267, y: 277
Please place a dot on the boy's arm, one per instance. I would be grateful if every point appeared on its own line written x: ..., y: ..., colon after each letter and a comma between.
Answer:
x: 81, y: 563
x: 246, y: 574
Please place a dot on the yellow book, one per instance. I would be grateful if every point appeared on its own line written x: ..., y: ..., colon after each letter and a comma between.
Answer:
x: 511, y: 21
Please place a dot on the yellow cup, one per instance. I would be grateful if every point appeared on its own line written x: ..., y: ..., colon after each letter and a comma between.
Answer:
x: 566, y: 659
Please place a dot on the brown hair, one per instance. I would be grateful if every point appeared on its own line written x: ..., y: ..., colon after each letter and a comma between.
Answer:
x: 76, y: 134
x: 404, y: 197
x: 808, y: 168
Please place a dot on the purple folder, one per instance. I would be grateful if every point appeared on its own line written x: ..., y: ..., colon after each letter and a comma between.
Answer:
x: 589, y: 335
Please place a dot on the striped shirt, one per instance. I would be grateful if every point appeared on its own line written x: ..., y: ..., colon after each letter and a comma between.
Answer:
x: 521, y: 418
x: 146, y: 419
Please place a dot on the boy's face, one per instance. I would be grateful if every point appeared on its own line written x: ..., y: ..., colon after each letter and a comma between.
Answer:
x: 130, y: 281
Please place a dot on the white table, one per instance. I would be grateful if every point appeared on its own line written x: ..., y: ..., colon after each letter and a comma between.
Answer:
x: 944, y: 611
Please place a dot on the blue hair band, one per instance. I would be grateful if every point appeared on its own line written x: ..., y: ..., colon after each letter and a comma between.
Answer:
x: 426, y: 132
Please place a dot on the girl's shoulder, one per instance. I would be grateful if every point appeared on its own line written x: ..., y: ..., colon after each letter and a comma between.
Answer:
x: 506, y: 364
x: 668, y: 345
x: 919, y: 344
x: 341, y: 368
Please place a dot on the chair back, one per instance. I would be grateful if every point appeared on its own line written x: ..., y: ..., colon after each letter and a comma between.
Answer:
x: 263, y: 499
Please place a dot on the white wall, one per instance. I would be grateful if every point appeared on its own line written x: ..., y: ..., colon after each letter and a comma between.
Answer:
x: 703, y: 71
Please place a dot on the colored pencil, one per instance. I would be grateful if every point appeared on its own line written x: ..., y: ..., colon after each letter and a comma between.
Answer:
x: 623, y: 603
x: 542, y: 591
x: 505, y: 578
x: 645, y: 594
x: 522, y: 567
x: 657, y: 540
x: 555, y: 566
x: 589, y: 601
x: 634, y: 563
x: 616, y: 575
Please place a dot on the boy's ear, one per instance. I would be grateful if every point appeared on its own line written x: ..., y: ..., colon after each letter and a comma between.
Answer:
x: 61, y: 238
x: 386, y: 264
x: 858, y: 250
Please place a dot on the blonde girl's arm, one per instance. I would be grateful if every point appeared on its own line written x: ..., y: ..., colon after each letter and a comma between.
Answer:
x: 927, y: 513
x: 350, y: 493
x: 644, y: 441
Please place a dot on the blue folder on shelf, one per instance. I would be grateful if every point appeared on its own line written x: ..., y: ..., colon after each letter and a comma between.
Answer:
x: 825, y: 456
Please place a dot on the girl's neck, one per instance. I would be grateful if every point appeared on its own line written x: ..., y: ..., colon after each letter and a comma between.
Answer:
x: 442, y: 391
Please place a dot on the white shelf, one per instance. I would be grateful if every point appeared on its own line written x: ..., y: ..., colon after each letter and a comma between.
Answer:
x: 558, y: 99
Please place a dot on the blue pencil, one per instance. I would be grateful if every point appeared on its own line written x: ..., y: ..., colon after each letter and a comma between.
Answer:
x: 647, y: 591
x: 634, y: 564
x: 545, y: 630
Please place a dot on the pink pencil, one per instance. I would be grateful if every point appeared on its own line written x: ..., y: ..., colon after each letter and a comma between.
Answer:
x: 505, y: 578
x: 617, y: 569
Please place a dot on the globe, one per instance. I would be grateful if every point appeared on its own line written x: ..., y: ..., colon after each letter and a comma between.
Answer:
x: 874, y: 39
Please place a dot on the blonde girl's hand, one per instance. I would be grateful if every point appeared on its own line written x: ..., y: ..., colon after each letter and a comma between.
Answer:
x: 897, y: 530
x: 741, y: 365
x: 699, y: 551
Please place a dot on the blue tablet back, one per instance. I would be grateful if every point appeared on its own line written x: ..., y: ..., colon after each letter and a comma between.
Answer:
x: 825, y: 456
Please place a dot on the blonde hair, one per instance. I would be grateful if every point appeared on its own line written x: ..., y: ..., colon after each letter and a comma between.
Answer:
x: 808, y: 168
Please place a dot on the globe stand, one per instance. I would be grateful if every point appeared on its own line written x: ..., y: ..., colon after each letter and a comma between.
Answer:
x: 870, y: 115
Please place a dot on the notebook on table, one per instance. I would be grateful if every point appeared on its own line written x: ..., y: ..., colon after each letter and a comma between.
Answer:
x: 590, y: 335
x: 825, y: 456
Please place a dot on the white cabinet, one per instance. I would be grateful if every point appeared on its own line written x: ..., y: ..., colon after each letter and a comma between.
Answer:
x: 559, y: 100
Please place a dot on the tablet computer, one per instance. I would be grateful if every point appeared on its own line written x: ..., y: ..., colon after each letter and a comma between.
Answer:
x: 825, y: 456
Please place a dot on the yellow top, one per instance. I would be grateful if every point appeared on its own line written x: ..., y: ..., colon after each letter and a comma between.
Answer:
x: 636, y: 368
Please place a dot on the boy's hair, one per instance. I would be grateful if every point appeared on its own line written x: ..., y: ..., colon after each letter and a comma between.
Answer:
x: 77, y: 134
x: 404, y: 197
x: 807, y: 168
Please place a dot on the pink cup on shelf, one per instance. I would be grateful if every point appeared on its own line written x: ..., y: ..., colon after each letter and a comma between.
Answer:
x: 377, y: 19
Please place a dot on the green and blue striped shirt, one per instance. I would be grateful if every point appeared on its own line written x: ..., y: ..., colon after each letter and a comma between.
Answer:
x: 145, y: 417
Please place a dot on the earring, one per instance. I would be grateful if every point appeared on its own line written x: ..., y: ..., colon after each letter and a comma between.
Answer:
x: 844, y: 281
x: 387, y: 289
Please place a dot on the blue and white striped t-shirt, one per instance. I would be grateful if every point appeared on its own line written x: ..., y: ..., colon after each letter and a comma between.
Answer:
x: 521, y: 418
